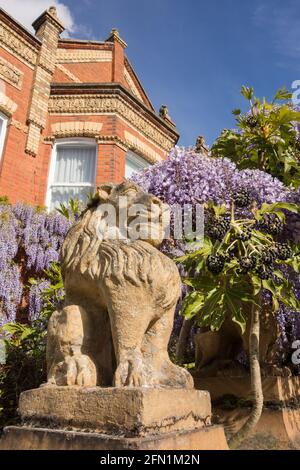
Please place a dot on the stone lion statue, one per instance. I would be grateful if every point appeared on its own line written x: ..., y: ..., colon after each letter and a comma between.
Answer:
x: 217, y: 351
x: 120, y: 299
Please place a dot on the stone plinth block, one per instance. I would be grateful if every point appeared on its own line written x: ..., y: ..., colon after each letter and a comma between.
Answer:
x: 130, y: 411
x: 114, y: 419
x: 26, y: 438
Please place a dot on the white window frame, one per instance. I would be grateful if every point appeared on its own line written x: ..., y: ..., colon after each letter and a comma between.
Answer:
x: 136, y: 159
x: 4, y: 120
x: 70, y: 142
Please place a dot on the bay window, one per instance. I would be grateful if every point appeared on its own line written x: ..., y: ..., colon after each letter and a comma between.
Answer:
x: 134, y: 163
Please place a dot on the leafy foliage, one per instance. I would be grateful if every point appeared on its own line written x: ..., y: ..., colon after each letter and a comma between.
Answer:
x: 228, y: 274
x: 189, y: 177
x: 25, y: 345
x: 267, y: 137
x: 72, y: 210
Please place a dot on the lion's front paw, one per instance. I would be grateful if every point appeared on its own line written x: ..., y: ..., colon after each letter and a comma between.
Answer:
x: 74, y: 370
x: 86, y: 372
x: 129, y: 372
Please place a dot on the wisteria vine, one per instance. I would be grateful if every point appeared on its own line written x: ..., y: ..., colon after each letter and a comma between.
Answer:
x: 30, y: 239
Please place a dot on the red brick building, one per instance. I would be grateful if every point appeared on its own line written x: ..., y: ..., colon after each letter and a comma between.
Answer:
x: 73, y: 114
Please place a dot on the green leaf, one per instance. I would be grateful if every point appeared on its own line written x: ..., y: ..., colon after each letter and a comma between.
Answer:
x: 235, y: 309
x: 256, y: 283
x: 282, y: 94
x: 265, y: 208
x: 270, y: 286
x: 275, y: 303
x: 192, y: 304
x: 247, y: 92
x: 212, y: 312
x: 203, y: 283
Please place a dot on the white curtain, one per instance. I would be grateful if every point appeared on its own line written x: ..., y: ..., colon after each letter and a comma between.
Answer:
x: 74, y: 174
x: 134, y: 163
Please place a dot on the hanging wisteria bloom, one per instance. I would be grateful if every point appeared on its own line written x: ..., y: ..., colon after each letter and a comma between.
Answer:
x: 30, y: 240
x: 189, y: 177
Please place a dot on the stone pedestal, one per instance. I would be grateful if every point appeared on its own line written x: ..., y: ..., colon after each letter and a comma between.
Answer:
x: 279, y: 426
x: 276, y: 389
x: 113, y: 419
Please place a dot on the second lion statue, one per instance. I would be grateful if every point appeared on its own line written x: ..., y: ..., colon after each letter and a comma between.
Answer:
x: 120, y: 300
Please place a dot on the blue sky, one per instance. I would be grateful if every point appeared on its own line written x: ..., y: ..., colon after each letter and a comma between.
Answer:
x: 194, y: 55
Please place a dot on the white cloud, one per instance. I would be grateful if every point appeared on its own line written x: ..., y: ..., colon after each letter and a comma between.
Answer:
x: 26, y: 11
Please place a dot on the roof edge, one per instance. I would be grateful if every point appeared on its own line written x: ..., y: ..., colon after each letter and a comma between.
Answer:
x: 8, y: 19
x: 94, y: 88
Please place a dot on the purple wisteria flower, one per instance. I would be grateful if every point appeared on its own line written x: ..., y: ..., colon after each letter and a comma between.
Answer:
x: 35, y: 298
x: 31, y: 239
x: 189, y: 177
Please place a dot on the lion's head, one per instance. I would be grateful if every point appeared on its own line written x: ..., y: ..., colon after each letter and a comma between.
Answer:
x: 125, y: 212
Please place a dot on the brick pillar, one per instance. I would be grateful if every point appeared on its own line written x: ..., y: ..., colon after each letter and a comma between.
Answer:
x: 118, y: 56
x: 110, y: 163
x: 48, y: 29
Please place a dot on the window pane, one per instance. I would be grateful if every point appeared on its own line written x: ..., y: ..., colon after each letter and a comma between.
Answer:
x: 63, y: 194
x: 134, y: 163
x: 3, y: 122
x: 74, y: 165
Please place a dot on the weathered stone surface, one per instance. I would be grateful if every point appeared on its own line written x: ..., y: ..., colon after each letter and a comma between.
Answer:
x: 120, y: 299
x: 114, y: 329
x: 277, y: 429
x: 129, y: 411
x: 275, y: 389
x: 216, y: 351
x: 279, y: 425
x: 18, y: 438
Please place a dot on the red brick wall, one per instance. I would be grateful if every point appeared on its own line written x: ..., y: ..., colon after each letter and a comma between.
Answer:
x: 110, y: 164
x: 24, y: 177
x: 18, y: 170
x: 87, y: 72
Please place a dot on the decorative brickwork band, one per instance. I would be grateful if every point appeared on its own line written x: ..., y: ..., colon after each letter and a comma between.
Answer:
x: 10, y: 73
x: 99, y: 104
x: 15, y: 44
x: 18, y: 125
x: 82, y: 55
x: 76, y: 129
x: 33, y: 139
x: 113, y: 139
x: 139, y: 146
x: 7, y: 105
